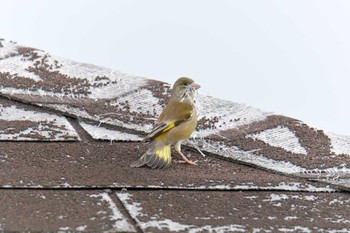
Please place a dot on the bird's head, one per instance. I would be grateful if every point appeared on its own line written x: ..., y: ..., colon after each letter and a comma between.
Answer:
x: 185, y: 88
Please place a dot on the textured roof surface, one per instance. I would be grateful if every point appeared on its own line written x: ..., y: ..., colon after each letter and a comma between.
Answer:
x: 69, y: 131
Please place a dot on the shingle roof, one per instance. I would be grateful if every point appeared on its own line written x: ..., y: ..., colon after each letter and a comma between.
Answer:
x: 69, y: 132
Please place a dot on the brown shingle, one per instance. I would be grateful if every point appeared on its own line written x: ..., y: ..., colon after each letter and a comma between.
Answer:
x: 73, y: 129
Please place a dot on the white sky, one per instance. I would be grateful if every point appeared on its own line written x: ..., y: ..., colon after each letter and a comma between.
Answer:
x: 291, y: 57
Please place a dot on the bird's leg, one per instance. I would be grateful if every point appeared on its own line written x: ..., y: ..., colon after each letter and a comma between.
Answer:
x: 184, y: 159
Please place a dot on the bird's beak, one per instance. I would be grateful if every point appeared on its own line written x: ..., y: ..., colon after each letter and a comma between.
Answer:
x: 196, y: 86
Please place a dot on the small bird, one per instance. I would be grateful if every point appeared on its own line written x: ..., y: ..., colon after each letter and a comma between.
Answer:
x: 175, y: 124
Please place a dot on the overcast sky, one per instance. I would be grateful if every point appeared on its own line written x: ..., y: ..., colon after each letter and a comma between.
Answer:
x: 291, y: 57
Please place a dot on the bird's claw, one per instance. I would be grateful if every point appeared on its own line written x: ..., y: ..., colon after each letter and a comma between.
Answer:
x: 188, y: 162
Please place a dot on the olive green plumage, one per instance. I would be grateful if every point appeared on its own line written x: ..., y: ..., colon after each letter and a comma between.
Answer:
x: 176, y: 123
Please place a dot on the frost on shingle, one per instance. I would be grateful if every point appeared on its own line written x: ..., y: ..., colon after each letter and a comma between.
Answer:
x: 42, y: 75
x: 140, y: 101
x: 142, y: 219
x: 121, y: 223
x: 106, y: 97
x: 7, y: 49
x: 281, y: 144
x: 80, y: 90
x: 18, y: 122
x: 340, y: 144
x: 237, y: 211
x: 101, y: 133
x: 280, y: 137
x: 216, y: 115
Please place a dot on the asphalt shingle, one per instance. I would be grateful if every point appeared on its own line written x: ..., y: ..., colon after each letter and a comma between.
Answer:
x: 69, y: 131
x: 163, y: 211
x: 61, y: 210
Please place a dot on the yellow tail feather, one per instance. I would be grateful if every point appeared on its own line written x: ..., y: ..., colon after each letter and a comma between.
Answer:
x: 155, y: 158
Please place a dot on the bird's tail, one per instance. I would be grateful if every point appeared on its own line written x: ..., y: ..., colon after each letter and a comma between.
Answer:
x: 155, y: 158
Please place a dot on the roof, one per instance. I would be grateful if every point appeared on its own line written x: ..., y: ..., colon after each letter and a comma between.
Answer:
x: 69, y: 131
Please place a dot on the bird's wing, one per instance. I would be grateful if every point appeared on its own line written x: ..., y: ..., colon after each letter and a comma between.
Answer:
x: 169, y: 119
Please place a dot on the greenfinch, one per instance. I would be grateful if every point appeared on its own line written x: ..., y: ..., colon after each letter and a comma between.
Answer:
x: 175, y: 124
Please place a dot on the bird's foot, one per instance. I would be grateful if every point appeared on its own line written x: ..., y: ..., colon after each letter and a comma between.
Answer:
x: 188, y: 162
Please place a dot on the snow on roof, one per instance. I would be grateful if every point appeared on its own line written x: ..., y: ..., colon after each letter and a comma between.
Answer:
x: 69, y: 132
x: 103, y: 96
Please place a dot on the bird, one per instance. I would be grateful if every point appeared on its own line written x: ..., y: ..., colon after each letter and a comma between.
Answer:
x: 175, y: 124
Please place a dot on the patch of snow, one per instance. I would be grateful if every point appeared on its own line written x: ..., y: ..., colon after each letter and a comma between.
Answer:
x: 81, y: 228
x: 121, y: 83
x: 281, y: 197
x: 49, y: 124
x: 112, y: 91
x: 135, y: 211
x: 13, y: 113
x: 310, y: 198
x: 7, y: 49
x: 210, y: 217
x: 344, y: 230
x: 140, y: 101
x: 277, y: 197
x: 339, y: 219
x: 18, y: 66
x: 259, y: 230
x: 288, y: 218
x: 81, y: 113
x: 331, y: 174
x: 220, y: 229
x: 133, y: 208
x: 39, y: 92
x: 99, y: 132
x: 23, y: 186
x: 120, y: 221
x: 170, y: 225
x: 249, y: 157
x: 66, y: 185
x: 43, y: 131
x: 340, y: 144
x: 166, y: 225
x: 300, y: 187
x: 280, y: 186
x: 295, y: 229
x: 106, y: 92
x: 340, y: 201
x: 229, y: 115
x: 89, y: 71
x: 281, y: 137
x: 286, y: 167
x: 65, y: 108
x: 105, y: 83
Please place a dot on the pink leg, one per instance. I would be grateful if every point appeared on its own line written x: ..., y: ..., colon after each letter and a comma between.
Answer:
x: 184, y: 159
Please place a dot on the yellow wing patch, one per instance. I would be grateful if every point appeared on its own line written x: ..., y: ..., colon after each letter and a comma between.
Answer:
x: 165, y: 127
